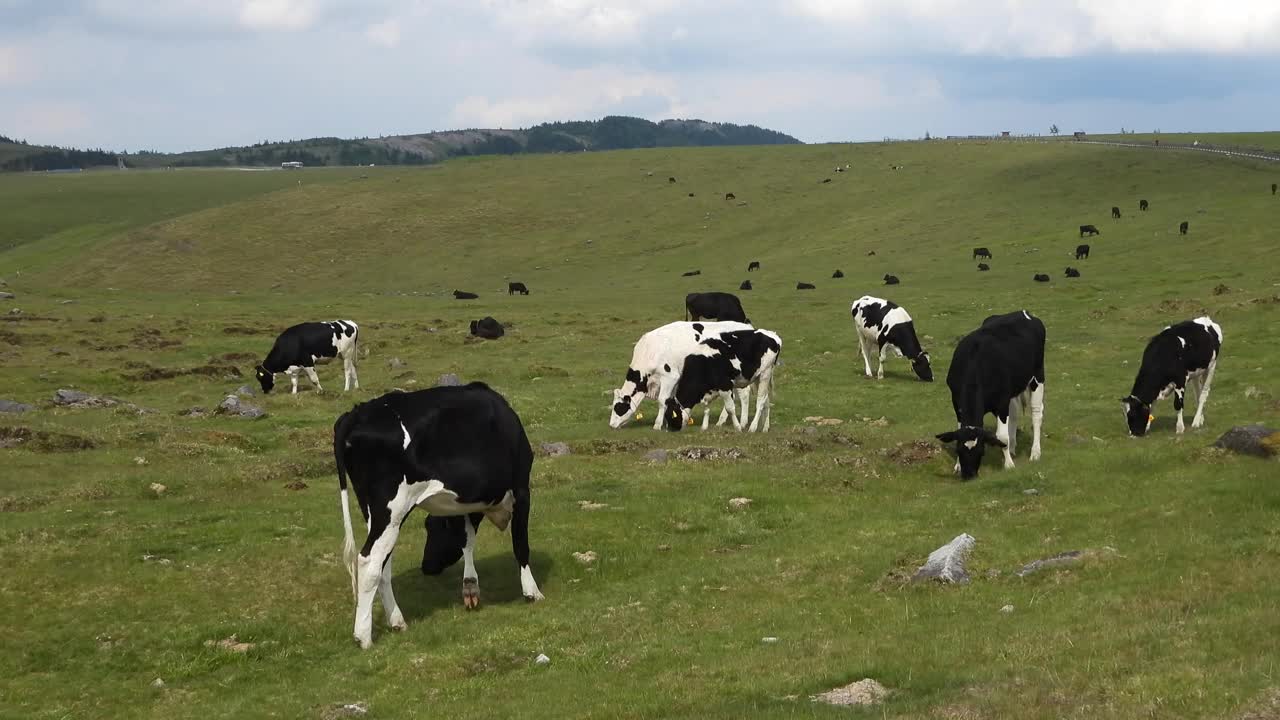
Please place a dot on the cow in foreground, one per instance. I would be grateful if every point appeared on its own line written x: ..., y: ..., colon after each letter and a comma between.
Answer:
x: 981, y: 252
x: 1181, y: 355
x: 1089, y: 230
x: 997, y: 369
x: 461, y: 454
x: 887, y: 327
x: 714, y: 306
x: 720, y: 364
x: 656, y: 363
x: 297, y: 349
x: 1082, y: 252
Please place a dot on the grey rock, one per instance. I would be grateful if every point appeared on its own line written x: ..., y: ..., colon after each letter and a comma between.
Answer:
x: 656, y: 456
x: 1066, y: 558
x: 556, y: 449
x: 11, y: 406
x: 1031, y: 491
x: 863, y: 692
x: 1006, y: 609
x: 15, y: 311
x: 448, y: 380
x: 946, y: 564
x: 231, y: 405
x: 395, y: 363
x: 709, y: 453
x: 6, y: 296
x: 1255, y: 440
x: 194, y: 412
x: 79, y: 398
x: 246, y: 391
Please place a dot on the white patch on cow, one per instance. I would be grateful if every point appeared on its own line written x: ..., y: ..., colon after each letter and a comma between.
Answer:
x: 736, y: 364
x: 405, y: 430
x: 1211, y: 326
x: 1183, y: 341
x: 971, y: 444
x: 1026, y: 314
x: 1164, y: 392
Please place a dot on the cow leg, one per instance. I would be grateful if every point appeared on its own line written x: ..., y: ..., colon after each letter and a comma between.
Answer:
x: 1037, y: 419
x: 1179, y: 393
x: 293, y: 378
x: 1198, y: 420
x: 1015, y: 409
x: 764, y: 383
x: 1002, y: 434
x: 665, y: 388
x: 390, y: 609
x: 520, y: 544
x: 470, y: 581
x: 880, y: 370
x: 315, y: 379
x: 371, y: 564
x: 866, y: 353
x: 744, y: 402
x: 349, y: 377
x: 706, y: 411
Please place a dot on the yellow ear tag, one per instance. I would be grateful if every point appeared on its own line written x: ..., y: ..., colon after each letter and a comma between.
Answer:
x: 1151, y: 418
x: 690, y: 423
x: 639, y: 416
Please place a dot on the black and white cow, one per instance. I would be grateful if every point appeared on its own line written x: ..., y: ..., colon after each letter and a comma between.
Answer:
x: 720, y: 364
x: 1072, y: 272
x: 517, y: 287
x: 981, y: 252
x: 453, y: 451
x: 1181, y: 355
x: 997, y: 369
x: 298, y: 348
x: 1089, y: 230
x: 1183, y: 227
x: 887, y: 327
x: 1082, y: 252
x: 714, y: 306
x: 656, y: 362
x: 891, y: 280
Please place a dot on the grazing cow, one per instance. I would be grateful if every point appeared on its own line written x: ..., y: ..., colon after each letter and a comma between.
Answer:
x: 1072, y: 272
x: 656, y: 362
x: 1040, y: 277
x: 753, y: 265
x: 721, y: 363
x: 889, y: 327
x: 719, y: 306
x: 671, y: 179
x: 464, y: 295
x: 997, y: 369
x: 730, y: 196
x: 517, y: 287
x: 746, y: 285
x: 805, y: 286
x: 981, y: 252
x: 891, y: 280
x: 1182, y: 229
x: 453, y: 451
x: 487, y: 328
x: 1143, y: 205
x: 1273, y: 188
x: 297, y: 349
x: 1115, y: 213
x: 836, y: 275
x: 1082, y: 252
x: 870, y: 253
x: 826, y: 181
x: 691, y: 273
x: 1089, y: 230
x: 690, y: 194
x: 1181, y: 355
x: 983, y: 267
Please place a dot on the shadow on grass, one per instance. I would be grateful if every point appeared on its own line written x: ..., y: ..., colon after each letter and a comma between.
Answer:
x: 420, y: 596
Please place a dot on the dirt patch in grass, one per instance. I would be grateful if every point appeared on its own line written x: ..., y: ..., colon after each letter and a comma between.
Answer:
x: 9, y: 337
x: 233, y: 357
x: 601, y: 446
x: 913, y: 453
x: 153, y: 339
x: 1264, y: 707
x: 490, y: 663
x: 150, y: 373
x: 41, y: 441
x: 22, y: 503
x: 244, y: 330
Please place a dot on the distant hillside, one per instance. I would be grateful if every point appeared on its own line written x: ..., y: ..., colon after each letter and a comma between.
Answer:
x: 19, y: 155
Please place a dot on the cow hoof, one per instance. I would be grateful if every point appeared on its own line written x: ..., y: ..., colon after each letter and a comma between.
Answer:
x: 365, y: 643
x: 1198, y: 422
x: 471, y: 593
x: 534, y: 597
x: 1035, y: 455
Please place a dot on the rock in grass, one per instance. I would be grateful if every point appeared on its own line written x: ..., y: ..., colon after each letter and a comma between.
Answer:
x: 656, y: 456
x: 1255, y: 440
x: 739, y: 503
x: 231, y: 405
x: 158, y: 489
x: 246, y: 391
x: 6, y: 296
x: 946, y: 564
x: 1070, y: 557
x: 158, y: 683
x: 556, y: 449
x: 864, y: 692
x: 586, y: 558
x: 542, y: 659
x: 448, y: 380
x: 11, y: 406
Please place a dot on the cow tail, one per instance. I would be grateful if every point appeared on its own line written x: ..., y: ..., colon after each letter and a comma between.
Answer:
x: 341, y: 430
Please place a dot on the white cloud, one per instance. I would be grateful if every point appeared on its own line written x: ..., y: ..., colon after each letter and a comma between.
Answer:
x: 385, y: 33
x: 575, y: 94
x: 13, y: 69
x: 603, y: 23
x: 277, y: 14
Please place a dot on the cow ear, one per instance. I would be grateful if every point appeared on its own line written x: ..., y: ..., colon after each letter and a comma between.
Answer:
x: 947, y: 437
x: 990, y: 438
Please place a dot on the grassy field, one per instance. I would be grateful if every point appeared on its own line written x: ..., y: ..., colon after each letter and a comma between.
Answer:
x: 1259, y: 140
x: 108, y: 586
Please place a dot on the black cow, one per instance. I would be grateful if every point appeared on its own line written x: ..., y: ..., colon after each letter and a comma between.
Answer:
x: 464, y: 295
x: 1040, y: 277
x: 1115, y: 213
x: 1089, y: 230
x: 297, y: 348
x: 721, y: 306
x: 981, y: 252
x: 1182, y: 229
x: 746, y: 285
x: 461, y: 454
x: 517, y: 287
x: 690, y: 194
x: 836, y: 275
x: 997, y: 369
x: 870, y: 253
x: 805, y: 286
x: 983, y: 267
x: 753, y: 265
x: 1143, y: 205
x: 691, y: 273
x: 671, y: 179
x: 826, y: 181
x: 722, y: 363
x: 1181, y: 355
x: 886, y: 326
x: 730, y: 196
x: 891, y: 280
x: 1273, y: 188
x: 1072, y: 272
x: 1082, y: 252
x: 487, y: 328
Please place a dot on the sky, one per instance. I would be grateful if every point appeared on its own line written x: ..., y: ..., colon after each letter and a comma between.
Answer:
x: 175, y: 75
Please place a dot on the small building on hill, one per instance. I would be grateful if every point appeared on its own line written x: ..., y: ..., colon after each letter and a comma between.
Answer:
x: 1078, y: 135
x: 294, y: 165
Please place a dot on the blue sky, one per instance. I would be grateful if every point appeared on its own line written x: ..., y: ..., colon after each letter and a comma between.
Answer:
x: 186, y: 74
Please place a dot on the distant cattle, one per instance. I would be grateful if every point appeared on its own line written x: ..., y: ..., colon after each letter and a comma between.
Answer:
x: 671, y: 179
x: 719, y: 306
x: 690, y: 194
x: 837, y: 274
x: 1182, y: 229
x: 753, y: 265
x: 983, y: 267
x: 297, y: 349
x: 1115, y: 213
x: 839, y: 169
x: 1072, y: 272
x: 891, y: 280
x: 805, y: 286
x: 459, y: 453
x: 1181, y: 355
x: 487, y: 328
x: 1142, y: 205
x: 1040, y: 277
x: 730, y: 196
x: 517, y: 287
x: 1273, y: 188
x: 826, y: 181
x: 981, y: 252
x: 997, y: 369
x: 1082, y: 252
x: 723, y: 363
x: 746, y: 285
x: 1089, y: 230
x: 464, y: 295
x: 870, y: 253
x: 691, y: 273
x: 884, y: 326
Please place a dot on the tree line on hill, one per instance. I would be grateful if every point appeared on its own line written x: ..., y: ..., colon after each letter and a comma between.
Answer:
x: 37, y: 157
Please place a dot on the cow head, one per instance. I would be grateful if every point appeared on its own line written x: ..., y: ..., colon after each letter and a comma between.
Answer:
x: 920, y: 364
x: 674, y: 417
x: 265, y: 378
x: 1137, y: 415
x: 446, y: 536
x: 970, y: 443
x: 627, y: 398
